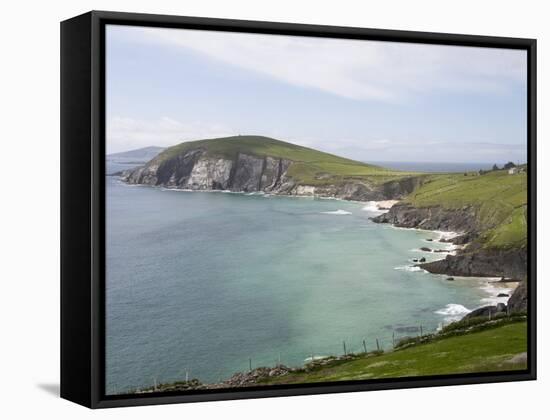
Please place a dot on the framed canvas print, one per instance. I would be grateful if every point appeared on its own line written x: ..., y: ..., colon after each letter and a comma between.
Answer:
x: 254, y: 209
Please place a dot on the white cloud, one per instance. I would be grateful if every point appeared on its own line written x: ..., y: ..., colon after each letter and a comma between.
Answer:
x: 363, y: 70
x: 125, y: 133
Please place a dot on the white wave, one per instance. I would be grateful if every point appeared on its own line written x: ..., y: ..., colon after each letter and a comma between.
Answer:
x: 372, y: 206
x: 411, y: 268
x: 493, y: 289
x: 177, y: 189
x: 338, y: 212
x: 453, y: 312
x: 313, y: 358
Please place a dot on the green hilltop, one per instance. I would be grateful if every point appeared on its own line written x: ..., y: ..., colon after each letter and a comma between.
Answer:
x: 311, y: 167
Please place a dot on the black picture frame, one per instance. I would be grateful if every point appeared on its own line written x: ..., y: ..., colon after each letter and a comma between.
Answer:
x: 83, y: 206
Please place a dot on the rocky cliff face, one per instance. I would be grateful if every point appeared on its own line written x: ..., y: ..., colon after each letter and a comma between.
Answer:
x: 196, y: 170
x: 484, y: 262
x: 431, y: 218
x: 473, y: 260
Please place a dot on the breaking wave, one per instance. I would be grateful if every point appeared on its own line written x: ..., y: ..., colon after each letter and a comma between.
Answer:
x: 453, y: 312
x: 338, y: 212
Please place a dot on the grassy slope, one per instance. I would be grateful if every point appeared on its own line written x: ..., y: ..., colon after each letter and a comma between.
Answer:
x: 488, y: 350
x: 309, y: 163
x: 501, y: 200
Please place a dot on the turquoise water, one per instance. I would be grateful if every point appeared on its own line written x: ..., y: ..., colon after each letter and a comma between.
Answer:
x: 203, y: 281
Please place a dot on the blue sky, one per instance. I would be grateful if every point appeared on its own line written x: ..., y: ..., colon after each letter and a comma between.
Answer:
x: 366, y: 100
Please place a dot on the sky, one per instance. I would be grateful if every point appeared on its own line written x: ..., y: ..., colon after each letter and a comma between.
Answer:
x: 365, y: 100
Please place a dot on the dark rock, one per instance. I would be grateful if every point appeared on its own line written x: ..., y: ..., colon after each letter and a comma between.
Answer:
x: 484, y: 311
x: 401, y: 187
x: 464, y: 239
x: 450, y: 278
x: 441, y: 250
x: 482, y: 263
x: 501, y: 307
x: 430, y: 218
x: 503, y: 295
x: 429, y: 240
x: 422, y: 260
x: 518, y: 300
x: 415, y: 259
x: 248, y: 173
x: 425, y: 249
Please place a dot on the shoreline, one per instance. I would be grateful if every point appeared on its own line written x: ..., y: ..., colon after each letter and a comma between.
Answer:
x: 381, y: 210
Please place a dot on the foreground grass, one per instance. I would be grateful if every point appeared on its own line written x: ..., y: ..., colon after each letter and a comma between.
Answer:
x: 484, y: 351
x: 500, y: 200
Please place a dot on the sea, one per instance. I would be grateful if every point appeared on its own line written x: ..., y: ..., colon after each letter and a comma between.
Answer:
x: 206, y: 284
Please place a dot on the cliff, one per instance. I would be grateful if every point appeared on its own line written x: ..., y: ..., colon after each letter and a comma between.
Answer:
x: 252, y: 163
x: 489, y: 212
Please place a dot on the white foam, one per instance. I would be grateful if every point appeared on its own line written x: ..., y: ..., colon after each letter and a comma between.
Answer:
x: 411, y: 268
x: 372, y: 206
x: 313, y: 358
x: 338, y: 212
x: 493, y: 289
x: 453, y: 312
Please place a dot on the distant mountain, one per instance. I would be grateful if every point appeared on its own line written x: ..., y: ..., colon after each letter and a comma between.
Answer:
x: 263, y: 164
x: 144, y: 154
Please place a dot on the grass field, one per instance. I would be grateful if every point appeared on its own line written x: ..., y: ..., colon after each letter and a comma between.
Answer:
x: 484, y: 351
x: 500, y: 198
x: 310, y: 166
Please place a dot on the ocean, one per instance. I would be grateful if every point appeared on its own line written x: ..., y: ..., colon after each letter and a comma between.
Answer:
x: 205, y: 283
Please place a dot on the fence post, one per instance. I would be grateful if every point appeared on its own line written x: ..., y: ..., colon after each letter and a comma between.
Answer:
x: 345, y: 352
x: 365, y: 346
x: 393, y: 339
x: 250, y: 364
x: 377, y: 345
x: 421, y: 330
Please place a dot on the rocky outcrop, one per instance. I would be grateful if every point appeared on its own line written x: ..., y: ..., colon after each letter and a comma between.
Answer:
x: 517, y: 304
x: 510, y: 263
x: 431, y: 218
x: 487, y: 311
x: 472, y: 259
x: 198, y: 170
x: 518, y: 300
